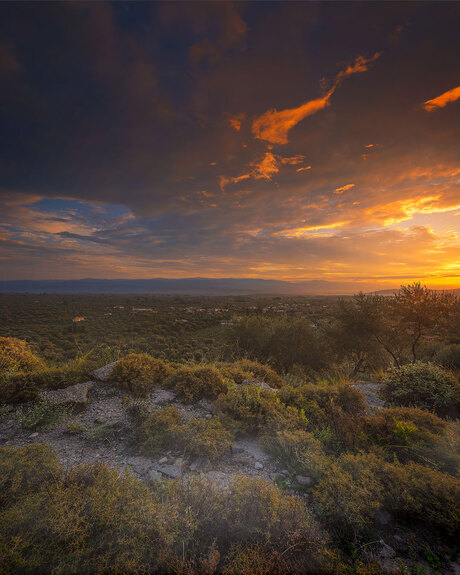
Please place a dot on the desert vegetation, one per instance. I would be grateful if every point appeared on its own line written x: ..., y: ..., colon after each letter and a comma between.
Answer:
x: 322, y: 441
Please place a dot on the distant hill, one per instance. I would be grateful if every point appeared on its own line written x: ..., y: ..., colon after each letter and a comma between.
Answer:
x: 190, y: 286
x: 205, y: 286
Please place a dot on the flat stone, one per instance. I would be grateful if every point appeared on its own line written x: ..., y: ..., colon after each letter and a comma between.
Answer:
x: 72, y: 395
x: 104, y: 373
x: 259, y: 465
x: 163, y: 460
x: 154, y: 475
x: 284, y: 472
x: 303, y: 480
x: 170, y: 470
x: 32, y: 435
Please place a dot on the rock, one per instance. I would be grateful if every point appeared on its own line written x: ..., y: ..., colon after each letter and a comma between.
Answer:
x: 386, y: 558
x: 303, y: 480
x: 207, y: 406
x: 284, y: 472
x: 259, y: 465
x: 260, y: 384
x: 104, y: 373
x: 382, y: 517
x: 208, y: 416
x: 170, y: 470
x: 73, y: 395
x: 179, y: 462
x: 454, y: 567
x: 154, y: 475
x: 32, y: 435
x: 163, y: 460
x: 196, y: 465
x: 236, y: 449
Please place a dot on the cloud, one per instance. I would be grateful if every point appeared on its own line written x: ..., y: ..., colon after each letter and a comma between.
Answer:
x: 344, y: 188
x: 235, y: 121
x: 442, y: 100
x: 273, y: 126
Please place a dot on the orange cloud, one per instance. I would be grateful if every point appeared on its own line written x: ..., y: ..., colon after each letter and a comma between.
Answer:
x: 273, y: 126
x: 442, y: 100
x: 265, y: 168
x: 303, y: 169
x: 235, y: 121
x: 344, y: 188
x: 396, y: 212
x: 304, y: 230
x: 293, y: 160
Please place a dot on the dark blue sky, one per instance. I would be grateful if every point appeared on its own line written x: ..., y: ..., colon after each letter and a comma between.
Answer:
x: 278, y: 140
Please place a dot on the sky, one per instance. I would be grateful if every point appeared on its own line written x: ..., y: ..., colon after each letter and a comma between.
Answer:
x: 294, y: 141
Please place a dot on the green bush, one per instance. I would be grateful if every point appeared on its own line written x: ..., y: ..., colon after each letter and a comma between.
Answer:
x: 139, y: 373
x: 194, y: 383
x: 423, y: 385
x: 205, y: 438
x: 41, y: 413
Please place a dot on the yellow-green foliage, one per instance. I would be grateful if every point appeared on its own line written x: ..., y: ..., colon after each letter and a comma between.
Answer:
x: 94, y: 520
x: 295, y: 449
x: 423, y: 385
x: 166, y: 429
x: 353, y: 487
x: 251, y: 512
x: 404, y: 425
x: 249, y: 409
x: 317, y: 400
x: 195, y: 383
x: 206, y: 438
x: 160, y: 430
x: 139, y: 373
x: 16, y: 356
x: 242, y: 369
x: 24, y: 469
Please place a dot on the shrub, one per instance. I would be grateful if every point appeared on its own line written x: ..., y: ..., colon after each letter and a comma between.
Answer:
x: 41, y: 413
x: 160, y: 430
x: 449, y: 356
x: 423, y: 385
x: 249, y: 409
x: 195, y: 383
x: 139, y: 373
x: 252, y: 512
x: 205, y: 438
x: 24, y: 469
x: 15, y: 355
x: 404, y: 426
x: 243, y: 369
x: 297, y: 450
x: 348, y: 494
x: 94, y: 521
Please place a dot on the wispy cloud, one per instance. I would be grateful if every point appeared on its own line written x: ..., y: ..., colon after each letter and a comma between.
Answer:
x: 442, y: 100
x: 273, y: 126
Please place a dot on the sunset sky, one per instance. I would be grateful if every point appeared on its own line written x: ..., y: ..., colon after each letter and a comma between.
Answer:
x: 295, y: 141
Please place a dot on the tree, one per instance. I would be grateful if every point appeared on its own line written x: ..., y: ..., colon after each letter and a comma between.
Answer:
x: 420, y: 309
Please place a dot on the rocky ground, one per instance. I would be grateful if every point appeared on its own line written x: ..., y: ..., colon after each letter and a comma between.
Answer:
x: 96, y: 426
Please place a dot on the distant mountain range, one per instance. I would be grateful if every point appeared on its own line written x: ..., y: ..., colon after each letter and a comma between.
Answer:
x: 192, y: 286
